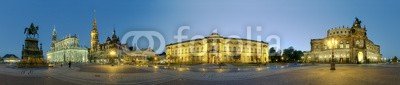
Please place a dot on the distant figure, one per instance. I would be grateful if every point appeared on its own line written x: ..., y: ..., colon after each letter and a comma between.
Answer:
x: 69, y: 64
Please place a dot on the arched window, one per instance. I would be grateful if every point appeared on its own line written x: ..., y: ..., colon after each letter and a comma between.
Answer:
x: 341, y: 44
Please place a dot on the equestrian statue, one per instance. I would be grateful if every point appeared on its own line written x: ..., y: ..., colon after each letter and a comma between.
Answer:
x: 32, y: 31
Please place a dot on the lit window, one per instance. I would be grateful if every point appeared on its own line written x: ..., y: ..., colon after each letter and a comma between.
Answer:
x: 341, y: 45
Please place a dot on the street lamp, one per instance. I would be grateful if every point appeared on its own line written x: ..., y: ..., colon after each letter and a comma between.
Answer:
x: 332, y: 43
x: 112, y: 54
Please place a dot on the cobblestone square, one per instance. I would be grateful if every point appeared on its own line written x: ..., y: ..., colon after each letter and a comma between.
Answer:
x: 274, y: 74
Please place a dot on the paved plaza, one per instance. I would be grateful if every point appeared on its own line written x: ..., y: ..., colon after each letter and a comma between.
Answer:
x: 205, y: 74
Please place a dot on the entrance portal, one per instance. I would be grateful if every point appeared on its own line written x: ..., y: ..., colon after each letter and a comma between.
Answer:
x: 360, y: 57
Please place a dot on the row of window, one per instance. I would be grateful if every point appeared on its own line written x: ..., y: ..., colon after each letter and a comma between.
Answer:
x: 338, y: 46
x: 339, y: 32
x: 214, y: 49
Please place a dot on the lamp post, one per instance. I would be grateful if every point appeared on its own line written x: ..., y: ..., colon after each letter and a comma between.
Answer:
x: 112, y: 54
x: 331, y: 43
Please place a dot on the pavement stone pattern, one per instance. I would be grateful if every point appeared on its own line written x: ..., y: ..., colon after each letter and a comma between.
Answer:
x: 282, y: 74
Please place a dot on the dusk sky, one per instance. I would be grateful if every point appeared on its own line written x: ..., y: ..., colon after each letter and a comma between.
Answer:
x: 296, y: 22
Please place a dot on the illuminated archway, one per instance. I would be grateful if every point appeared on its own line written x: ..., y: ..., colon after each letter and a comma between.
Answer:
x: 360, y: 57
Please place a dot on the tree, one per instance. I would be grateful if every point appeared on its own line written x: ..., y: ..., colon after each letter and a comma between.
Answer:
x: 298, y: 54
x: 274, y: 55
x: 394, y: 59
x: 272, y: 50
x: 292, y: 55
x: 288, y: 54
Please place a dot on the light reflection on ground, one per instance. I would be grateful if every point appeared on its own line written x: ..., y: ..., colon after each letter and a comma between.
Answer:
x: 204, y: 74
x: 113, y: 69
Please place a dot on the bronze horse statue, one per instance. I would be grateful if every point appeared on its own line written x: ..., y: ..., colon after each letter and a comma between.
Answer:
x: 32, y: 30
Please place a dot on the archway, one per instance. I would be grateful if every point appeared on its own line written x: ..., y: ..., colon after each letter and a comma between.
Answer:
x: 360, y: 57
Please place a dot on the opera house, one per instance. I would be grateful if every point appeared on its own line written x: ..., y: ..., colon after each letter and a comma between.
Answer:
x: 351, y: 45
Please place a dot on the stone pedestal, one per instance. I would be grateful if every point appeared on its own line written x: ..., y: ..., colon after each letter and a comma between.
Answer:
x: 32, y: 55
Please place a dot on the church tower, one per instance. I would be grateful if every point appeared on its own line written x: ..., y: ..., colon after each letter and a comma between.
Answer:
x: 94, y: 42
x: 53, y: 38
x: 54, y: 34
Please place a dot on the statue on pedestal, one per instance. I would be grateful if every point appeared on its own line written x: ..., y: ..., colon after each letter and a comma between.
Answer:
x: 32, y: 55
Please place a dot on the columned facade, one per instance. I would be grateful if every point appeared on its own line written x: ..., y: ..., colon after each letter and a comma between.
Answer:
x: 353, y: 46
x: 66, y: 50
x: 217, y: 49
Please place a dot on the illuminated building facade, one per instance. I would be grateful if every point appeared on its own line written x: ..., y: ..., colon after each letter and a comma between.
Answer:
x: 218, y: 49
x: 353, y: 46
x: 109, y: 52
x: 138, y: 56
x: 10, y: 58
x: 112, y: 51
x: 66, y: 50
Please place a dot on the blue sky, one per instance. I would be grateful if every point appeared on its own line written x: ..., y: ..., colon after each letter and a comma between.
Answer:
x: 294, y: 21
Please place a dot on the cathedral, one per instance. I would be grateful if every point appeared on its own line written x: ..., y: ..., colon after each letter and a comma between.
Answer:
x: 352, y: 46
x: 66, y: 50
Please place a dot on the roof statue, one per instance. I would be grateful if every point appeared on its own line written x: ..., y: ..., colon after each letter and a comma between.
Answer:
x: 357, y: 23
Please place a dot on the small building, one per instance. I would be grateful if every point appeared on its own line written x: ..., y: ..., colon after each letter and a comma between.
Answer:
x: 10, y: 58
x: 139, y: 56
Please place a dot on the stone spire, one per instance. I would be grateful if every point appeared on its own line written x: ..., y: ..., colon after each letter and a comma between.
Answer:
x: 54, y: 34
x: 53, y: 38
x: 113, y: 32
x: 94, y: 22
x: 94, y: 42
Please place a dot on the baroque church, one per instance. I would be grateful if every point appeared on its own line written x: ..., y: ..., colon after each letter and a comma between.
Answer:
x: 66, y: 50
